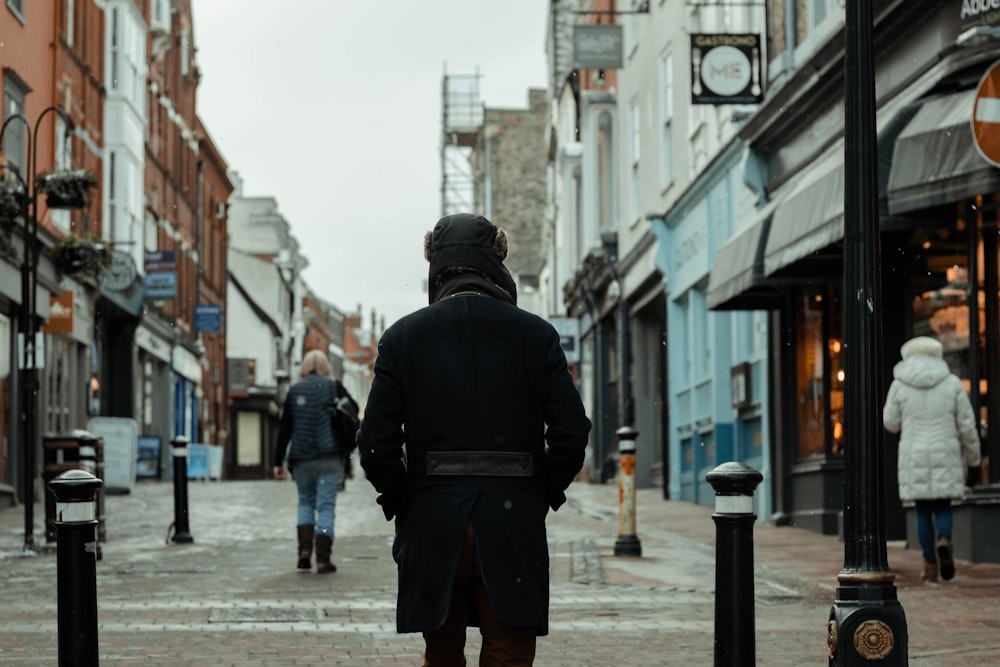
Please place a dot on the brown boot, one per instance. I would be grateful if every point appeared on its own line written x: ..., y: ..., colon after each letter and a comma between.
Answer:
x: 324, y: 547
x: 306, y: 532
x: 930, y: 572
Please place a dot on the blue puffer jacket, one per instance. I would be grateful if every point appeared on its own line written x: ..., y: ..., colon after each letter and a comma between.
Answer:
x: 306, y: 420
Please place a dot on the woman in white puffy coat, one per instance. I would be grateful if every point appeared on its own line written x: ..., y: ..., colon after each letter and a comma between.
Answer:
x: 939, y: 441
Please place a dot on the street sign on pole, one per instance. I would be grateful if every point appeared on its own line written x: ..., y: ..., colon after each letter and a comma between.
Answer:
x: 986, y: 115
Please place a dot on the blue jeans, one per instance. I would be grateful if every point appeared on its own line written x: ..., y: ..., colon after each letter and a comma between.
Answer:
x: 317, y: 481
x: 931, y: 514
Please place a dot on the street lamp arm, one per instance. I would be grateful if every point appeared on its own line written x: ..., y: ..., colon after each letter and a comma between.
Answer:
x: 3, y: 131
x: 34, y: 143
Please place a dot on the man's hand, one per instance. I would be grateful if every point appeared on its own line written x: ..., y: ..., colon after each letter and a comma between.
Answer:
x: 279, y: 472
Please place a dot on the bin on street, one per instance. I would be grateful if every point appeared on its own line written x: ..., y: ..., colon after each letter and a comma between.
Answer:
x: 73, y: 450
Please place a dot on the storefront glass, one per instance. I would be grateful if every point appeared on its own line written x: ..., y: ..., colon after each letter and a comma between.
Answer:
x: 819, y: 394
x: 942, y: 292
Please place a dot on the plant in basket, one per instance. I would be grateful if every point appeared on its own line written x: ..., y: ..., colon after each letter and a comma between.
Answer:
x: 12, y: 207
x: 87, y: 255
x: 66, y: 188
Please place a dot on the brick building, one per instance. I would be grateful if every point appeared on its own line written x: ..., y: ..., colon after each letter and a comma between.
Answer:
x: 509, y: 165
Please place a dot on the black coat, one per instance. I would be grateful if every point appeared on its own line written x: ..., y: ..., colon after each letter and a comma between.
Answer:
x: 471, y: 373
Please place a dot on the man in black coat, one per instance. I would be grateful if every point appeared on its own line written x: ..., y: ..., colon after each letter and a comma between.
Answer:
x: 473, y: 429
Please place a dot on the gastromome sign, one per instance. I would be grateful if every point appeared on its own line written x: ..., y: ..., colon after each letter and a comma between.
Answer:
x: 597, y: 46
x: 725, y: 69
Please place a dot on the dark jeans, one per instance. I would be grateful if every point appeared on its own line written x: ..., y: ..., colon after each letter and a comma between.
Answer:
x: 933, y: 514
x: 503, y: 645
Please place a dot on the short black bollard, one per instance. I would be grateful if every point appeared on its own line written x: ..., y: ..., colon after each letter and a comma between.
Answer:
x: 628, y: 543
x: 734, y: 484
x: 76, y: 566
x: 182, y: 534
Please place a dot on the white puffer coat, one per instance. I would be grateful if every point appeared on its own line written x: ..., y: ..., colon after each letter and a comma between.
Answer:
x: 928, y: 406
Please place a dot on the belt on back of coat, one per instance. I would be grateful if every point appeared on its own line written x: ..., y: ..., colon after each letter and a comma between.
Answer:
x: 474, y: 463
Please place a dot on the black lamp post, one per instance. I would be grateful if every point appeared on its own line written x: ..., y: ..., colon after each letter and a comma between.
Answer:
x: 867, y: 624
x: 30, y: 348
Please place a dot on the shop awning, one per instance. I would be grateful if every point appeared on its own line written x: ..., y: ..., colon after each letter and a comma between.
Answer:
x: 935, y: 160
x: 735, y: 282
x: 810, y: 218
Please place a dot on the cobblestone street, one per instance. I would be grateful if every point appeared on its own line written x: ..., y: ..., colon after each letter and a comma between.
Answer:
x: 233, y: 597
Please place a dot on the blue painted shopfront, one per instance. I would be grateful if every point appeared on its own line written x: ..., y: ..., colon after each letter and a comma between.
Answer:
x: 705, y: 346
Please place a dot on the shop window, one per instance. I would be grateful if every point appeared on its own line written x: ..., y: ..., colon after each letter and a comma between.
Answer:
x: 6, y: 400
x: 819, y: 372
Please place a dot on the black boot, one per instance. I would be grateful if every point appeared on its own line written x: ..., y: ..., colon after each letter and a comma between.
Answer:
x: 324, y: 547
x: 306, y: 532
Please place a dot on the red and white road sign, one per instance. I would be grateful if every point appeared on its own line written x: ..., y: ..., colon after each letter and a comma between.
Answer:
x: 986, y: 115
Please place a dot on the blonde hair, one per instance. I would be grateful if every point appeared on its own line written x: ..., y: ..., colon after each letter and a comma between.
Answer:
x: 315, y: 360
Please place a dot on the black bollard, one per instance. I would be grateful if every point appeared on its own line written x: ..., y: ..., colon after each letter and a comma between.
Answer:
x: 182, y: 534
x: 76, y: 566
x: 734, y: 484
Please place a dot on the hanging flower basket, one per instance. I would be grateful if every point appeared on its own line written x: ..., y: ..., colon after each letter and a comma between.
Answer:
x: 87, y: 256
x: 66, y: 188
x: 12, y: 207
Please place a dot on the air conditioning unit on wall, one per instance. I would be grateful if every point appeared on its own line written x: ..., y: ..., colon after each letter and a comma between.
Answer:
x: 220, y: 210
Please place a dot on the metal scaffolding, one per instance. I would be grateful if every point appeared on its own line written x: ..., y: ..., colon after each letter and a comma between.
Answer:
x: 461, y: 123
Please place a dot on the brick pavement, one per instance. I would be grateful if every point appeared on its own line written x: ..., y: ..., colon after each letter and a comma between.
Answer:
x: 234, y: 598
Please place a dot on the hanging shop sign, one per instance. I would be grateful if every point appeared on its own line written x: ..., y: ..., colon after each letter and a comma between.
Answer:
x: 161, y: 274
x: 60, y: 313
x: 208, y: 317
x: 597, y: 47
x: 568, y: 329
x: 986, y: 115
x: 121, y: 274
x: 725, y: 69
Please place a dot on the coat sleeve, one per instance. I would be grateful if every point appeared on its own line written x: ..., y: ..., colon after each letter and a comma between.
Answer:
x: 965, y: 421
x: 567, y: 425
x: 380, y: 436
x: 891, y: 415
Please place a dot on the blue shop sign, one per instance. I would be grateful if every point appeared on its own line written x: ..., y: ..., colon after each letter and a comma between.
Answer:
x: 208, y: 317
x: 161, y: 285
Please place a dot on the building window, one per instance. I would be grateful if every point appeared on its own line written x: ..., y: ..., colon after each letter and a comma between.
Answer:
x: 606, y: 176
x: 818, y: 11
x: 159, y: 20
x: 17, y: 7
x: 635, y: 118
x: 64, y: 160
x: 819, y: 371
x: 701, y: 338
x: 112, y: 203
x: 15, y: 136
x: 666, y: 120
x: 115, y: 50
x: 150, y: 233
x: 69, y: 22
x: 185, y: 52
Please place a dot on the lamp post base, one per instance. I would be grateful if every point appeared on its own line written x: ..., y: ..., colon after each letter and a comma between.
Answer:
x: 867, y: 627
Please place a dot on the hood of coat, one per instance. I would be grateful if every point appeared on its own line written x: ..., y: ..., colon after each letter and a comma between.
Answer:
x: 463, y: 246
x: 921, y: 371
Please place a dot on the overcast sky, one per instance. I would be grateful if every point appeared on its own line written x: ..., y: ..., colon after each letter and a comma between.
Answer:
x: 333, y: 107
